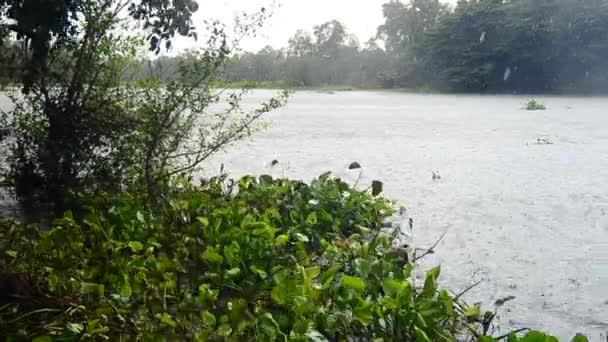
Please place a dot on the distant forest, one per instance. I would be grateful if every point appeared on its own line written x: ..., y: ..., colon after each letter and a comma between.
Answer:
x: 495, y: 46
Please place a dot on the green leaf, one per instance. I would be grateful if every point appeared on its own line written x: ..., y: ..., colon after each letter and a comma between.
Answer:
x: 12, y: 254
x: 407, y: 270
x: 362, y: 266
x: 43, y: 339
x: 580, y: 338
x: 268, y: 316
x: 140, y: 217
x: 448, y: 302
x: 203, y: 221
x: 281, y: 240
x: 208, y: 319
x: 260, y: 272
x: 535, y: 336
x: 92, y: 325
x: 392, y: 287
x: 364, y: 313
x: 99, y: 331
x: 206, y: 293
x: 265, y: 180
x: 302, y: 237
x: 328, y: 276
x: 125, y: 289
x: 311, y: 219
x: 315, y: 336
x: 233, y: 272
x: 430, y: 283
x: 472, y: 311
x: 166, y: 319
x: 354, y: 283
x: 420, y: 321
x: 376, y: 188
x: 136, y: 246
x: 76, y: 328
x: 212, y: 256
x: 487, y: 339
x: 421, y: 336
x: 313, y: 272
x: 92, y: 288
x: 512, y: 338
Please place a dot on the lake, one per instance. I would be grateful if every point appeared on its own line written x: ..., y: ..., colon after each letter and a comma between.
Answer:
x: 523, y: 194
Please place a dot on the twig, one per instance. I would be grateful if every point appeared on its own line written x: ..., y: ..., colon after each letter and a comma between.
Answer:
x: 469, y: 288
x: 512, y: 332
x: 432, y: 249
x: 358, y: 178
x: 32, y: 313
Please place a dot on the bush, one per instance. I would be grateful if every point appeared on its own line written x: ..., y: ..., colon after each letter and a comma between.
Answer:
x: 535, y: 105
x: 256, y: 259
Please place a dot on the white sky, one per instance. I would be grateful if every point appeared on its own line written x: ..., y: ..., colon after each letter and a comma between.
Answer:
x: 361, y: 17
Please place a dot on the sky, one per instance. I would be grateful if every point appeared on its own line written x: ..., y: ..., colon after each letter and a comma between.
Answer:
x: 361, y: 18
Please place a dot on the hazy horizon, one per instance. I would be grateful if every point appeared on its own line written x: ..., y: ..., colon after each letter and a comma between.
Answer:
x: 361, y: 18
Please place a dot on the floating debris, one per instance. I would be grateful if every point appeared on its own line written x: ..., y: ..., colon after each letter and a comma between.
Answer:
x: 354, y: 165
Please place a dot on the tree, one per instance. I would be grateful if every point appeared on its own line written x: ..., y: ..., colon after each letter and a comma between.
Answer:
x: 329, y: 38
x: 521, y: 46
x: 404, y: 33
x: 43, y: 24
x: 300, y: 44
x: 80, y: 127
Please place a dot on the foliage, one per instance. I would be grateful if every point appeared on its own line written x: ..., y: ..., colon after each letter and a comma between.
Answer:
x: 533, y: 336
x: 522, y: 46
x: 45, y: 25
x: 81, y: 127
x: 404, y: 33
x: 329, y: 56
x: 535, y: 105
x: 255, y: 259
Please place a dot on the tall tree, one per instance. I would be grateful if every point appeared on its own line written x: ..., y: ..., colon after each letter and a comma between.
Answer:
x: 42, y: 24
x: 404, y: 33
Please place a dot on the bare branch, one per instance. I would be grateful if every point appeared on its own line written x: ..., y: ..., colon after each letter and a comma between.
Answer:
x: 432, y: 249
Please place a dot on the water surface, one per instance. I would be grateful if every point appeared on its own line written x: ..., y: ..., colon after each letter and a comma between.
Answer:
x: 527, y: 219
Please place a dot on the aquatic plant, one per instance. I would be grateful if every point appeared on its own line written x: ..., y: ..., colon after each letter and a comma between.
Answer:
x: 253, y: 259
x: 535, y: 105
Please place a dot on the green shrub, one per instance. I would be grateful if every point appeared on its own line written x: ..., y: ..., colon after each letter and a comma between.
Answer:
x: 256, y: 259
x: 535, y: 105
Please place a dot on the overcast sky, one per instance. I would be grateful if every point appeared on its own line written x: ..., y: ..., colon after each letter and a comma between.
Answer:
x: 361, y: 18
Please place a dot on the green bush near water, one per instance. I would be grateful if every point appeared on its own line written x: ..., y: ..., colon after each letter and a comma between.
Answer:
x: 257, y: 259
x: 535, y: 105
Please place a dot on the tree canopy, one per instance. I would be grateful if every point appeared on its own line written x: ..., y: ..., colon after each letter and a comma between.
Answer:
x: 520, y: 46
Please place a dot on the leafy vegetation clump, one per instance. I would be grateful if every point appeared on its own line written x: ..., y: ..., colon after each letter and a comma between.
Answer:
x: 535, y: 105
x: 256, y: 259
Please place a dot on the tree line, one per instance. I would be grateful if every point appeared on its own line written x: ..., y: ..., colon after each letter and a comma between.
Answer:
x: 519, y: 46
x: 509, y: 46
